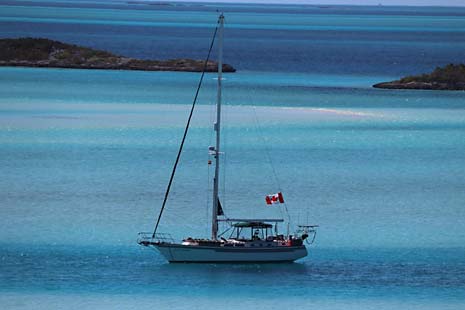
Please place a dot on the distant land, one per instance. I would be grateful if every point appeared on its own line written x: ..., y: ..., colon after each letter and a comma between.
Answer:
x: 39, y: 52
x: 450, y: 77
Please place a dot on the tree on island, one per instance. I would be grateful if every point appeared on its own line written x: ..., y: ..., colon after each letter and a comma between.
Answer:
x: 450, y: 77
x: 39, y: 52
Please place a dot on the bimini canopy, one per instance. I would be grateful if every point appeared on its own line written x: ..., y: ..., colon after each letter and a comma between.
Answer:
x: 252, y: 225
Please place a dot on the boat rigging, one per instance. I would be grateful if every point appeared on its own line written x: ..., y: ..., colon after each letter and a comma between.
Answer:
x: 249, y: 240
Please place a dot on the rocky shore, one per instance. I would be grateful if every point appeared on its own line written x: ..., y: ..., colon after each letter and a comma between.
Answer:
x: 450, y: 77
x: 38, y: 52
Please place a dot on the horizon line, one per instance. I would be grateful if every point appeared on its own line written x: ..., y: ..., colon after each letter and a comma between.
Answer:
x: 309, y: 3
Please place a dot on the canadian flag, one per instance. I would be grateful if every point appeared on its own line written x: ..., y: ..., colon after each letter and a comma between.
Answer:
x: 276, y: 198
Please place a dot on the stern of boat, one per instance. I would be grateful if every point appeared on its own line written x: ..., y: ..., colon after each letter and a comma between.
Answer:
x: 150, y: 239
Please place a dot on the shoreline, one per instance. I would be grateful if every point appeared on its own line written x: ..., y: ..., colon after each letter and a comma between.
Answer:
x: 211, y: 67
x: 420, y: 86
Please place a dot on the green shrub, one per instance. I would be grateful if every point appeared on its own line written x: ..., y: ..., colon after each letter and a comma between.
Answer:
x: 450, y: 74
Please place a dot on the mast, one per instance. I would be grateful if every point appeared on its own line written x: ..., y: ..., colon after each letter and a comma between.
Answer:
x: 205, y: 64
x: 217, y: 129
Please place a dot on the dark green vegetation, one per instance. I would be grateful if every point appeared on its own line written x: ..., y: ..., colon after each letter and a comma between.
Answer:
x: 450, y: 77
x: 36, y: 52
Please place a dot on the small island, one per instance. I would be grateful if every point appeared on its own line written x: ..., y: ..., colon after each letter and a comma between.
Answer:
x: 450, y: 77
x: 39, y: 52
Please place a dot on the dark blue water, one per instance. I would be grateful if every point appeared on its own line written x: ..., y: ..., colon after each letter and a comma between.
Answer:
x: 408, y: 274
x: 311, y: 39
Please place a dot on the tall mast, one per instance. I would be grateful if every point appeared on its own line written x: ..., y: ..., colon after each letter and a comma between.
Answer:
x: 217, y: 129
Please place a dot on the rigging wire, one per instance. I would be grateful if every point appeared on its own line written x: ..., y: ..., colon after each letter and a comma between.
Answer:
x: 224, y: 112
x: 185, y: 131
x: 267, y: 152
x: 207, y: 192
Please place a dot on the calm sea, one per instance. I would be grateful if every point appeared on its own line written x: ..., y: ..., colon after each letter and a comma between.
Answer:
x: 85, y: 157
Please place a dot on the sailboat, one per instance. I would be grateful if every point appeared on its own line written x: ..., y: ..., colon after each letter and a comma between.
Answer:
x: 249, y: 240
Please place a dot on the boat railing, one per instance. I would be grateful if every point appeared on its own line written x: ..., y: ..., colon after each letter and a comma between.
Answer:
x: 309, y: 231
x: 146, y: 238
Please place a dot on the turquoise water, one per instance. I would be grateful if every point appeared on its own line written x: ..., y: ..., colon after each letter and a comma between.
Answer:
x: 86, y: 156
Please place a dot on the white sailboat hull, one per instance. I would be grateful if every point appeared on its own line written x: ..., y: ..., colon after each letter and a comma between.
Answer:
x: 210, y: 254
